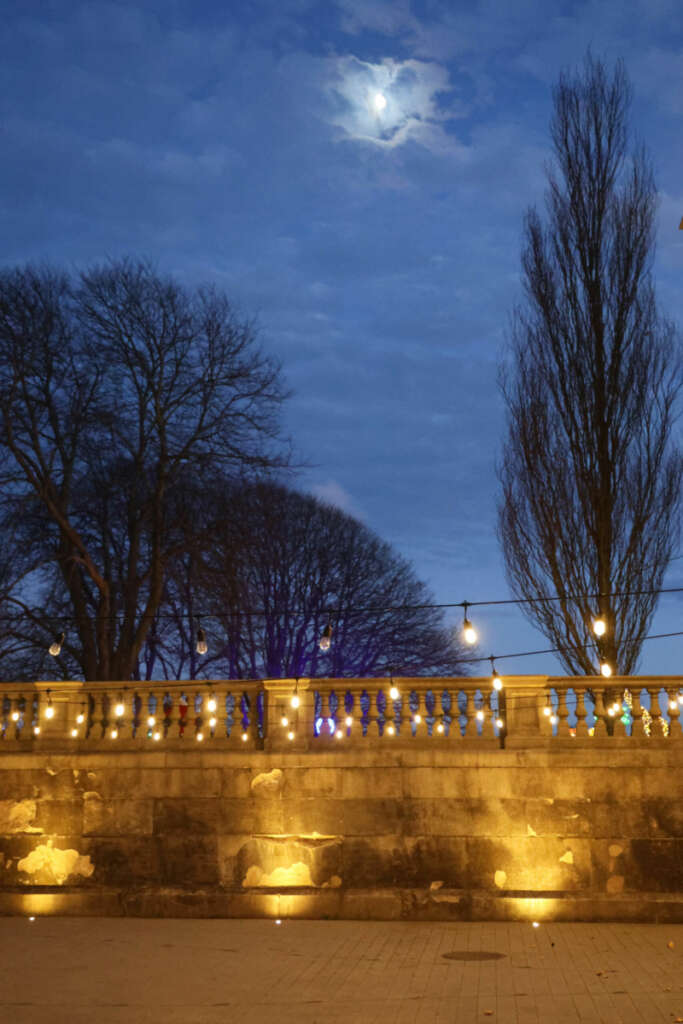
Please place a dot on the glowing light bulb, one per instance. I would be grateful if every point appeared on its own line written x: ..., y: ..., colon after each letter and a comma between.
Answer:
x: 295, y: 701
x: 348, y: 721
x: 36, y: 730
x: 496, y: 681
x: 49, y: 711
x: 469, y: 632
x: 201, y: 646
x: 80, y: 718
x: 617, y: 706
x: 417, y: 719
x: 290, y: 735
x: 439, y: 727
x: 673, y: 705
x: 157, y: 735
x: 15, y: 716
x: 151, y: 721
x: 499, y: 723
x: 547, y: 711
x: 610, y: 711
x: 380, y: 102
x: 119, y: 710
x: 55, y: 647
x: 245, y: 737
x: 535, y: 924
x: 479, y: 716
x: 554, y: 719
x: 74, y: 733
x: 599, y: 627
x: 284, y: 721
x: 114, y: 734
x: 278, y: 921
x: 394, y: 693
x: 325, y: 641
x: 200, y: 737
x: 339, y: 734
x: 212, y: 723
x: 390, y: 730
x: 605, y: 668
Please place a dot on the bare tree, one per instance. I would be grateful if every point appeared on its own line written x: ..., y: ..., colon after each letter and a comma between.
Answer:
x: 113, y: 390
x: 280, y: 567
x: 590, y: 475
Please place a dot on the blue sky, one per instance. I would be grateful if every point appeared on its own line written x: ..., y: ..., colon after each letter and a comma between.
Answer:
x: 241, y: 143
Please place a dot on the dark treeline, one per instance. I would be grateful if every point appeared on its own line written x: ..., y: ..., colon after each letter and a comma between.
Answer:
x: 141, y: 468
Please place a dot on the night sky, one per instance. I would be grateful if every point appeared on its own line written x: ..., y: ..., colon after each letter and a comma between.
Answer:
x: 243, y: 143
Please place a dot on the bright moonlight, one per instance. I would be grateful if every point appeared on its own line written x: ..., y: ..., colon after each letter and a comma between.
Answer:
x: 380, y: 102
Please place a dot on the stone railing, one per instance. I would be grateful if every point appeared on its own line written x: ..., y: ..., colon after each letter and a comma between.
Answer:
x: 325, y: 713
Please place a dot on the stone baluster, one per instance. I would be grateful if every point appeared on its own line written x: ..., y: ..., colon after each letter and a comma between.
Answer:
x: 674, y: 715
x: 656, y: 712
x: 581, y: 711
x: 600, y: 711
x: 562, y: 714
x: 638, y: 728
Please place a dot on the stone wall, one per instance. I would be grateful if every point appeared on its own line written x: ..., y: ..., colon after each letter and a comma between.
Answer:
x: 589, y: 831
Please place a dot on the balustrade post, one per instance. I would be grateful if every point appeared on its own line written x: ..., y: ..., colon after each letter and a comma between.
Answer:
x: 279, y: 693
x: 524, y: 700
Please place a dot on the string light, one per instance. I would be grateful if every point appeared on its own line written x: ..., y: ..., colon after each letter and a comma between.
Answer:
x: 496, y: 681
x: 245, y: 737
x: 295, y: 699
x: 439, y: 727
x: 499, y: 723
x: 554, y: 719
x: 339, y: 734
x: 468, y: 631
x: 119, y: 709
x: 114, y: 734
x: 55, y: 647
x: 200, y: 737
x: 15, y: 716
x: 599, y: 626
x: 36, y: 730
x: 211, y: 703
x: 417, y: 719
x: 479, y: 715
x: 290, y: 735
x: 326, y: 639
x: 74, y: 733
x: 547, y: 710
x: 151, y: 721
x: 80, y: 717
x: 348, y: 721
x: 49, y: 710
x: 390, y: 730
x: 605, y: 668
x: 394, y: 692
x: 157, y: 736
x: 212, y: 723
x: 201, y: 646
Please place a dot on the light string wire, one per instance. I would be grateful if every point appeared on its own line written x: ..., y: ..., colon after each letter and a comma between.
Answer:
x: 337, y: 612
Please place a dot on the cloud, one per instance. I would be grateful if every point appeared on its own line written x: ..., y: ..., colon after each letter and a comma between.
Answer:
x: 391, y: 102
x: 332, y: 493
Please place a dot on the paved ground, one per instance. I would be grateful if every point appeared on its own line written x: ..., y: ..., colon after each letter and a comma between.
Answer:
x: 112, y: 971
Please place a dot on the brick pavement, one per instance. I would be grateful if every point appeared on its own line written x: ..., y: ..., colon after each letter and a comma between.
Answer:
x: 111, y: 971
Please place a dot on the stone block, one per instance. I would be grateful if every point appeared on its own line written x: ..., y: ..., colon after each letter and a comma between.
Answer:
x: 188, y: 860
x: 60, y: 817
x: 191, y: 817
x: 116, y: 817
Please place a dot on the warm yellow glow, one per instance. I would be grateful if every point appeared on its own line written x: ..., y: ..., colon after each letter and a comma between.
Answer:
x: 36, y: 730
x: 673, y: 705
x: 278, y: 921
x: 114, y: 734
x: 599, y: 627
x: 212, y: 723
x: 479, y: 716
x: 605, y: 668
x: 390, y: 730
x: 469, y: 632
x: 417, y: 719
x: 680, y: 698
x: 31, y: 918
x: 74, y: 733
x: 200, y: 737
x: 119, y: 710
x: 535, y: 924
x: 295, y: 701
x: 245, y: 737
x: 394, y: 693
x: 499, y: 723
x: 339, y: 734
x: 211, y: 704
x: 547, y: 711
x: 15, y: 716
x: 611, y: 712
x: 157, y: 735
x: 55, y: 648
x: 496, y: 681
x: 348, y: 721
x: 151, y: 721
x: 49, y: 711
x: 290, y: 735
x: 439, y: 727
x: 554, y: 719
x: 80, y: 718
x: 284, y: 721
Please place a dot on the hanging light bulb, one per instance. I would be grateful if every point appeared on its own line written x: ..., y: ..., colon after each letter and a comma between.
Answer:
x: 439, y: 727
x: 326, y: 639
x: 295, y: 700
x: 15, y: 716
x: 547, y: 710
x: 55, y: 647
x: 554, y: 719
x: 36, y: 730
x: 390, y: 730
x: 212, y: 723
x: 599, y: 626
x: 417, y: 719
x: 290, y: 735
x: 80, y: 717
x: 468, y: 631
x: 394, y: 692
x: 211, y: 703
x: 245, y: 737
x: 49, y: 710
x: 119, y: 709
x: 284, y: 721
x: 496, y: 681
x: 348, y: 721
x: 151, y: 721
x: 605, y: 668
x: 479, y: 715
x: 339, y: 734
x: 114, y: 734
x: 157, y: 735
x: 499, y: 723
x: 74, y: 733
x: 200, y: 737
x: 201, y: 646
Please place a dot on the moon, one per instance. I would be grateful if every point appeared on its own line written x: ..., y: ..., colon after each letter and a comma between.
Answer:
x: 380, y: 102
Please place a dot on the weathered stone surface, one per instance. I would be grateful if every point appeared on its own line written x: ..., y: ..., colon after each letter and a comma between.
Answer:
x: 268, y: 784
x: 50, y: 865
x: 18, y: 816
x: 116, y: 817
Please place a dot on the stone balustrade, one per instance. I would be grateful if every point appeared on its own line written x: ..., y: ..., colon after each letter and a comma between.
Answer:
x: 318, y: 714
